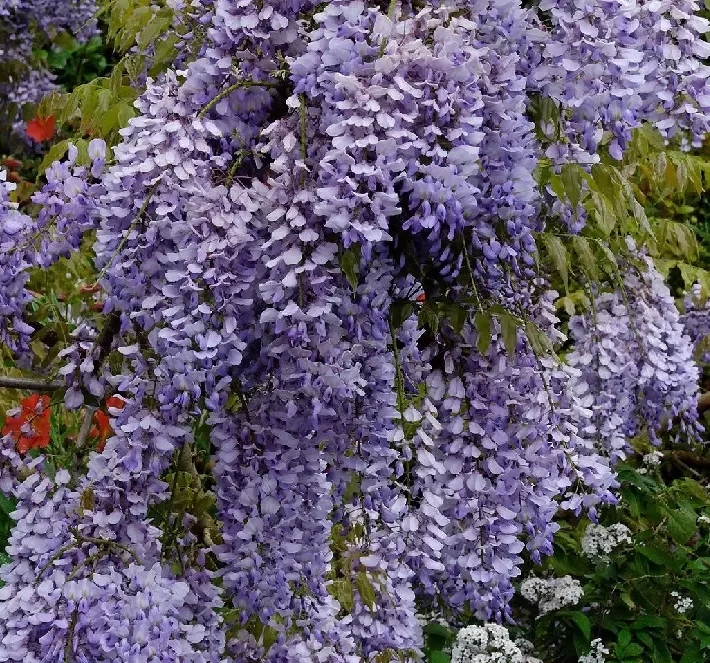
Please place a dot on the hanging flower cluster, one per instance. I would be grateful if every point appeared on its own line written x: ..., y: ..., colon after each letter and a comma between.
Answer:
x: 636, y: 363
x: 270, y: 221
x: 24, y: 24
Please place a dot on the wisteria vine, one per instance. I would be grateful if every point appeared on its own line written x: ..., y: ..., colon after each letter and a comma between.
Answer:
x: 295, y: 196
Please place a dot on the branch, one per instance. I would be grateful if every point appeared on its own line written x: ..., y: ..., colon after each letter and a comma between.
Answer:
x: 86, y: 426
x: 105, y: 542
x: 689, y: 458
x: 704, y: 402
x: 686, y: 467
x: 225, y: 93
x: 7, y: 382
x: 69, y: 646
x: 110, y: 329
x: 53, y: 559
x: 134, y: 223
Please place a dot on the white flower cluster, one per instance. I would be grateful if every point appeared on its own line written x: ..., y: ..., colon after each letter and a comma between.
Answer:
x: 596, y: 653
x: 526, y: 649
x: 653, y: 459
x: 489, y: 643
x: 598, y: 541
x: 551, y: 593
x: 703, y: 520
x: 682, y: 603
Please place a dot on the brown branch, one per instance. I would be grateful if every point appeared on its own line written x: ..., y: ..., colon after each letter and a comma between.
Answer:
x: 105, y: 339
x: 704, y: 402
x: 53, y: 559
x: 105, y: 542
x: 7, y: 382
x: 689, y: 458
x: 69, y: 646
x: 686, y: 467
x: 86, y: 426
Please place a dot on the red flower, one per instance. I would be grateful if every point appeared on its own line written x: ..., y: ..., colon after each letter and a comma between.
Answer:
x: 41, y: 128
x: 30, y: 427
x: 102, y: 423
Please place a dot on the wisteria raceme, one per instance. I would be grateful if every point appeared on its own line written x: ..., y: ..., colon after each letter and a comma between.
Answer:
x: 616, y: 64
x: 68, y: 203
x: 288, y: 198
x: 696, y: 322
x: 75, y: 16
x: 23, y: 25
x: 636, y: 363
x: 14, y: 263
x: 511, y: 442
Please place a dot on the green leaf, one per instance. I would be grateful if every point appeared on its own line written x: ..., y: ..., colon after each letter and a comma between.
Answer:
x: 350, y: 264
x: 509, y: 329
x: 7, y: 504
x: 572, y: 180
x: 435, y: 628
x: 342, y: 590
x: 539, y: 341
x: 557, y: 187
x: 691, y: 488
x: 661, y: 653
x: 634, y: 649
x: 365, y: 589
x: 656, y: 555
x: 428, y: 318
x: 681, y: 524
x: 609, y: 259
x: 400, y: 311
x: 624, y: 638
x: 456, y: 314
x: 585, y: 254
x: 482, y: 322
x: 558, y: 254
x: 603, y: 213
x: 626, y: 598
x: 648, y: 621
x: 692, y: 654
x: 582, y: 622
x: 56, y: 153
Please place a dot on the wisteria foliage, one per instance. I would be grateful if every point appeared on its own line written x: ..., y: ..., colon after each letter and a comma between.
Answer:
x: 287, y: 198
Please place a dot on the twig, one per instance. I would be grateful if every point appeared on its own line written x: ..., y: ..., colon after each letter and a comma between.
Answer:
x: 131, y: 228
x: 689, y: 458
x: 224, y: 93
x: 53, y: 559
x: 105, y: 542
x: 83, y: 563
x: 687, y: 468
x: 86, y: 426
x: 7, y: 382
x: 111, y: 327
x: 70, y: 635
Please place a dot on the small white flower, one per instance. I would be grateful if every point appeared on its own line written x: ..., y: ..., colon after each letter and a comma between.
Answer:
x: 551, y: 593
x: 653, y: 459
x: 596, y: 653
x: 598, y: 541
x: 683, y: 603
x: 489, y: 643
